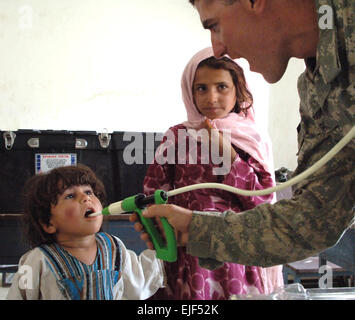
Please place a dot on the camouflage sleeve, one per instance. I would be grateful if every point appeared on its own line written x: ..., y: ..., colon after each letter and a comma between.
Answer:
x: 290, y: 230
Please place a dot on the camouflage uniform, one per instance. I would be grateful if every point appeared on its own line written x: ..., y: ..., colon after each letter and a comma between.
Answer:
x: 322, y: 206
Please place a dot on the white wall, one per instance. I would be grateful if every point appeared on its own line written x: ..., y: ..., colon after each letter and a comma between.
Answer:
x: 96, y: 64
x: 284, y: 116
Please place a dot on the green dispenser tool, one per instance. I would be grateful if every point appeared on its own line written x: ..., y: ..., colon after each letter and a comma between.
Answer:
x: 165, y: 251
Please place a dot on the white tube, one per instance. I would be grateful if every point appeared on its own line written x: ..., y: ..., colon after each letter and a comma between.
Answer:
x: 116, y: 208
x: 113, y: 209
x: 331, y: 153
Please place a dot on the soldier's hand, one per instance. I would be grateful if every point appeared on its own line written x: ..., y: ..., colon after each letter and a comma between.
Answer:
x: 139, y: 228
x: 178, y: 217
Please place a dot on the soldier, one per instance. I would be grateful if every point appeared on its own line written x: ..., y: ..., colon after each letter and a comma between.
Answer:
x: 268, y: 33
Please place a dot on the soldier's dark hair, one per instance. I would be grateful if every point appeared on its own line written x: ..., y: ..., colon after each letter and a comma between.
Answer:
x: 244, y: 96
x: 42, y: 190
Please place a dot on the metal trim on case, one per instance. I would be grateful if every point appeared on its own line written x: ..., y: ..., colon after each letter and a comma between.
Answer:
x: 33, y: 142
x: 104, y: 139
x: 80, y: 143
x: 9, y: 138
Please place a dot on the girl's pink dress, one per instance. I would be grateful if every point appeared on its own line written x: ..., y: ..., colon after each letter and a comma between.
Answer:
x: 185, y: 278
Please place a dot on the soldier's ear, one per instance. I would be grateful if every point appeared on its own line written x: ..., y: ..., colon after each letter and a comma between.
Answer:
x: 257, y: 6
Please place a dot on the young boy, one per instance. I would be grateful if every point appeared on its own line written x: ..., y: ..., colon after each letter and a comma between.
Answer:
x: 71, y: 258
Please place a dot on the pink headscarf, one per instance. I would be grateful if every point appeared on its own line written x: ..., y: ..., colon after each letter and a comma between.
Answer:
x: 243, y: 129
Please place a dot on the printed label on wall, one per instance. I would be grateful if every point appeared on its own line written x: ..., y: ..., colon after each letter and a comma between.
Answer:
x: 45, y: 162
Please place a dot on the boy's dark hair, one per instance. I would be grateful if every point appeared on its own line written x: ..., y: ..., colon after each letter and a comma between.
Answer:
x: 42, y: 190
x: 237, y: 73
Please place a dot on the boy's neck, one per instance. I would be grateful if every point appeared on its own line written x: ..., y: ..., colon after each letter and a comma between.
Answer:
x: 83, y: 248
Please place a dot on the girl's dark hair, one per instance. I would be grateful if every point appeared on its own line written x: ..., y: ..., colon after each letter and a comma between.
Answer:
x: 244, y: 96
x: 42, y: 190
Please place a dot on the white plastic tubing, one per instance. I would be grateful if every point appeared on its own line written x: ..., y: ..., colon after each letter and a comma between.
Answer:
x: 331, y: 153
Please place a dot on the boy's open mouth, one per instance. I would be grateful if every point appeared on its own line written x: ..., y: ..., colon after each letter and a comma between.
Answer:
x: 88, y: 212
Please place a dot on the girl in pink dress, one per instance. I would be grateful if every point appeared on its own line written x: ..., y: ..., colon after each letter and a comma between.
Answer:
x: 217, y: 100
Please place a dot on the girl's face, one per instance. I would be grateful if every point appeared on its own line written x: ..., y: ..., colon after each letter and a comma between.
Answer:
x: 69, y: 216
x: 214, y: 92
